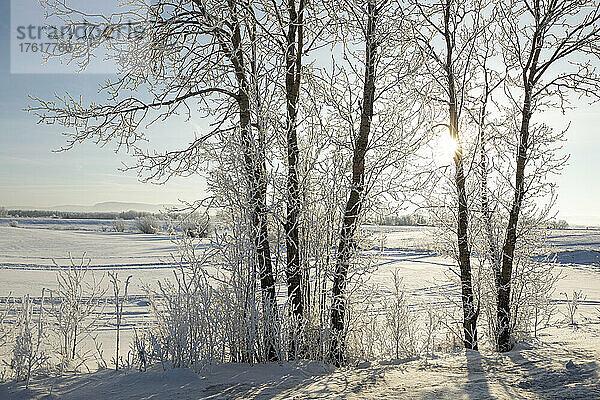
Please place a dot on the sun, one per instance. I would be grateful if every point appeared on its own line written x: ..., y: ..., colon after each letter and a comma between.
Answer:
x: 445, y: 149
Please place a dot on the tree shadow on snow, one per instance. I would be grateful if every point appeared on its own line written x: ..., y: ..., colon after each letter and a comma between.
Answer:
x: 477, y: 386
x: 339, y: 385
x: 556, y: 374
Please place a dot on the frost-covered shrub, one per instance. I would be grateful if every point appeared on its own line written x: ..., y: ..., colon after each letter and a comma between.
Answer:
x: 533, y: 286
x: 119, y: 225
x: 210, y: 312
x: 573, y: 304
x: 365, y: 339
x: 139, y: 347
x: 389, y: 328
x: 382, y: 324
x: 75, y: 311
x: 560, y: 224
x: 195, y: 226
x: 5, y: 312
x: 120, y: 295
x: 191, y: 327
x: 147, y: 224
x: 28, y: 354
x: 400, y: 321
x: 14, y: 224
x: 184, y: 335
x: 3, y: 212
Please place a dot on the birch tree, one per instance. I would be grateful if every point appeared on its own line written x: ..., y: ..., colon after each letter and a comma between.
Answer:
x: 369, y: 19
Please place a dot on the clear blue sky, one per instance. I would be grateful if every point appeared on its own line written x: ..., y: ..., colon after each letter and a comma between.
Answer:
x: 31, y: 175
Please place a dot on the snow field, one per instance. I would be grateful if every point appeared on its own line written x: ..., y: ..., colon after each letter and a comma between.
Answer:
x: 541, y: 371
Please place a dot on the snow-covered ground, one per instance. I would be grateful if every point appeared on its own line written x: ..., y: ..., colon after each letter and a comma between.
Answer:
x: 543, y: 372
x: 563, y: 364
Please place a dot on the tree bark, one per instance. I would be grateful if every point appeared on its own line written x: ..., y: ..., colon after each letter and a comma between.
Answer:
x: 355, y: 199
x: 503, y: 311
x: 504, y: 338
x: 293, y: 59
x: 470, y: 314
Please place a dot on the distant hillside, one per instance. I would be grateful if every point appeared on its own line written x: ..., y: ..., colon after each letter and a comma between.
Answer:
x: 120, y: 206
x: 108, y: 206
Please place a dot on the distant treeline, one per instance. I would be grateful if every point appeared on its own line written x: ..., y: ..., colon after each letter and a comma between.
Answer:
x: 126, y: 215
x: 560, y: 224
x: 401, y: 220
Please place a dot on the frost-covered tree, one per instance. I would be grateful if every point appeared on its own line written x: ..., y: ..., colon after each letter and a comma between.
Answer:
x: 550, y: 49
x: 353, y: 210
x: 374, y: 109
x: 447, y: 33
x: 197, y: 59
x: 287, y: 33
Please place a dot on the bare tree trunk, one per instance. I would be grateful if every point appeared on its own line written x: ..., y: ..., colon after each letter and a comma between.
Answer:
x: 355, y: 199
x: 470, y: 314
x: 254, y: 164
x: 293, y: 60
x: 508, y: 250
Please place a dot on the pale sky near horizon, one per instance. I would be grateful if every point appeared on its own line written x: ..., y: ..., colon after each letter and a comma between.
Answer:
x: 32, y: 175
